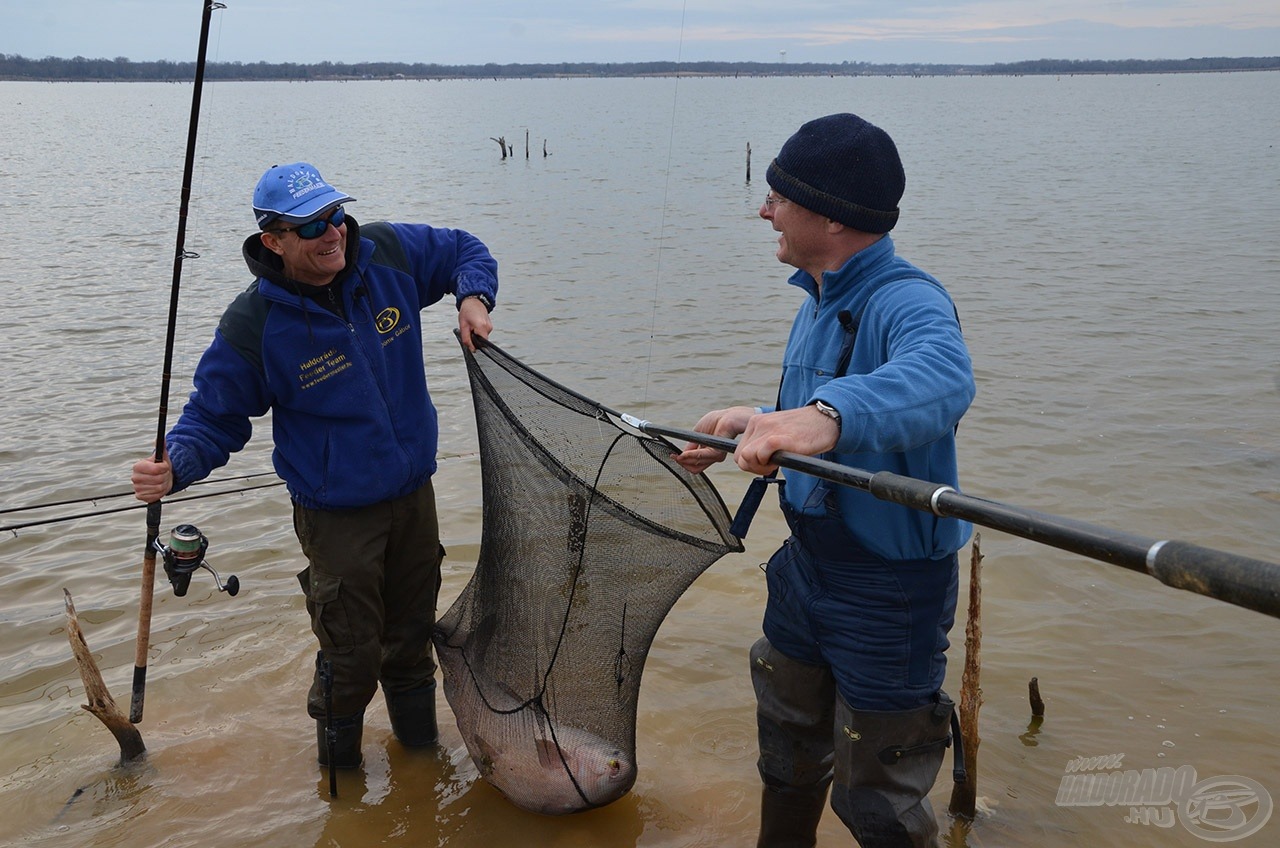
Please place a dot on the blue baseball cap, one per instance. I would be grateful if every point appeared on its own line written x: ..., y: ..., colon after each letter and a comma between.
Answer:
x: 293, y: 193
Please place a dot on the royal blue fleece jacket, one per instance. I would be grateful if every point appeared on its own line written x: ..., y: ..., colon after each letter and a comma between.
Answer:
x: 908, y: 382
x: 352, y: 420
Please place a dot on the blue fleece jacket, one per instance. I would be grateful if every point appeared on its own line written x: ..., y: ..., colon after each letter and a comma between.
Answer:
x: 352, y: 419
x: 908, y: 382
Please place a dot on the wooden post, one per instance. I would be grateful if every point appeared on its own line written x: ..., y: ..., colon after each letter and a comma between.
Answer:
x: 1037, y: 714
x: 101, y: 704
x: 748, y: 163
x: 526, y: 145
x: 545, y: 154
x: 964, y: 796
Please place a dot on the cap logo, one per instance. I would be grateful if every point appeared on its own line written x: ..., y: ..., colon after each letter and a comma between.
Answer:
x: 302, y: 183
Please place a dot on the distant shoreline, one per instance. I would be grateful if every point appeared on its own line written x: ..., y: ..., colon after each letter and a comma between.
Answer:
x: 80, y: 69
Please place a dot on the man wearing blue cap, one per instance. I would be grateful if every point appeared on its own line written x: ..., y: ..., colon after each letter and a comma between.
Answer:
x: 327, y: 338
x: 876, y: 375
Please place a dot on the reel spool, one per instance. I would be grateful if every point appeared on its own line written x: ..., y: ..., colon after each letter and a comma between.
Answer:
x: 184, y: 555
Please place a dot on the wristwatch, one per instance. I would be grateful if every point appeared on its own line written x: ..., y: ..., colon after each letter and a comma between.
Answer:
x: 828, y: 410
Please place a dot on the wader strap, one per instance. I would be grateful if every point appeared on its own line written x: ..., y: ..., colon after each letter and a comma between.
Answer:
x: 958, y: 772
x: 750, y: 503
x: 944, y: 708
x: 755, y: 492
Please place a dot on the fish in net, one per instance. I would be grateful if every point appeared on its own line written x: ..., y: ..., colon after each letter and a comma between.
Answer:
x: 591, y: 533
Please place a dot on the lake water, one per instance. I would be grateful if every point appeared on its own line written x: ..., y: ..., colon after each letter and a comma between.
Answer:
x: 1111, y: 242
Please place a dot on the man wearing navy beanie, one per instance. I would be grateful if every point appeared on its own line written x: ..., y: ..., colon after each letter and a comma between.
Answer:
x: 876, y: 375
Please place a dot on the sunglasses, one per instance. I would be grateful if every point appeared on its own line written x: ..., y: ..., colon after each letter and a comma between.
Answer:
x: 318, y: 227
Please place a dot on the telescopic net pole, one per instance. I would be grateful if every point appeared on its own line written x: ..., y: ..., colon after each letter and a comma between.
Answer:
x: 1250, y: 583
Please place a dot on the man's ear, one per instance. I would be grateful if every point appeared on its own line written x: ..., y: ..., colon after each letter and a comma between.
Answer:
x: 834, y: 227
x: 271, y: 242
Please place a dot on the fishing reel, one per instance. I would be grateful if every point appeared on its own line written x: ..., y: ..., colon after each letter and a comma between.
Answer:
x: 184, y: 554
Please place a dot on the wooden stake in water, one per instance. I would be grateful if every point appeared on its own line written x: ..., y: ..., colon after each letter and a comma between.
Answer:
x: 964, y: 796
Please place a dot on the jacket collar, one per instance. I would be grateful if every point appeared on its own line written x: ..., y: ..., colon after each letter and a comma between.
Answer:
x: 838, y: 283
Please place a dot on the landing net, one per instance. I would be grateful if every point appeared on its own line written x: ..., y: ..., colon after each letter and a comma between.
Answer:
x: 591, y: 533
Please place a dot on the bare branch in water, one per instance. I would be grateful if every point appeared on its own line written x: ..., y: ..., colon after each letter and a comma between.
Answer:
x: 101, y: 704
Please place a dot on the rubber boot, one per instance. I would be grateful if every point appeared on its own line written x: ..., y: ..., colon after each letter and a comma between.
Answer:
x: 346, y: 744
x: 886, y: 763
x: 413, y: 716
x: 794, y: 720
x: 789, y: 816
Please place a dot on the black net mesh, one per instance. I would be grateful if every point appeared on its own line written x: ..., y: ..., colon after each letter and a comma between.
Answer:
x: 591, y: 533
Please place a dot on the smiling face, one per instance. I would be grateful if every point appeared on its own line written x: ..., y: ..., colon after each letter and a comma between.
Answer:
x: 803, y: 241
x: 312, y: 261
x: 811, y: 241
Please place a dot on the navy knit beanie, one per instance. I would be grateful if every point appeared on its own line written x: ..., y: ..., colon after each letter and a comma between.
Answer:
x: 844, y: 169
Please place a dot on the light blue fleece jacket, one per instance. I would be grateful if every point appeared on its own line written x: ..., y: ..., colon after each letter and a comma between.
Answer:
x: 907, y: 385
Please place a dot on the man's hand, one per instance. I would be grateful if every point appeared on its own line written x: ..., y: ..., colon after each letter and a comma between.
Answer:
x: 727, y: 423
x: 473, y: 320
x: 151, y: 480
x: 804, y: 431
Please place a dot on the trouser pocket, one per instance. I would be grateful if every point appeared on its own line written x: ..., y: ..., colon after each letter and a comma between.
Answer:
x: 329, y: 620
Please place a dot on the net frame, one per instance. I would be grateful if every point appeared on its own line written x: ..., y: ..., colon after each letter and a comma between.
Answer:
x: 591, y: 533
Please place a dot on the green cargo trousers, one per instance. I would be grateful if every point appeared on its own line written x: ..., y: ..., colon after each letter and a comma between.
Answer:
x: 371, y: 588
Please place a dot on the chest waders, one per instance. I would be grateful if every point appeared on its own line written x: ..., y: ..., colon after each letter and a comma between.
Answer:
x: 878, y: 765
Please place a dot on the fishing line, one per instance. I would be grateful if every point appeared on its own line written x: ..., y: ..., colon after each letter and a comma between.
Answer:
x: 662, y: 224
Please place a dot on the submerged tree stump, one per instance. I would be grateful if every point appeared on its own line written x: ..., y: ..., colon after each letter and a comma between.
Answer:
x: 964, y: 796
x: 502, y: 144
x: 101, y: 704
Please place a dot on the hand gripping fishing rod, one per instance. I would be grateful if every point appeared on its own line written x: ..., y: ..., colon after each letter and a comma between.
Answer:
x: 180, y: 253
x: 1249, y: 583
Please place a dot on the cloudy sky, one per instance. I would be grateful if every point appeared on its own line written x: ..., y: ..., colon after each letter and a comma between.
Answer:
x: 503, y: 31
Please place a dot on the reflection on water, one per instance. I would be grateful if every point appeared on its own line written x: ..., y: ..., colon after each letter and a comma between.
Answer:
x: 1111, y: 245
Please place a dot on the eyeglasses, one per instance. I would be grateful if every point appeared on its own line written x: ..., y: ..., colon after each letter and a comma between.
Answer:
x: 771, y: 200
x: 318, y: 227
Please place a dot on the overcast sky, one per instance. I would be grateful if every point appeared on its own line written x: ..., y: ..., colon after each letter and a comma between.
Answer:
x: 466, y: 32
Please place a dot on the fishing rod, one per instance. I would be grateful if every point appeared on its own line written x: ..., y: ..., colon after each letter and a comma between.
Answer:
x: 154, y: 510
x: 14, y: 528
x: 1250, y: 583
x: 109, y: 495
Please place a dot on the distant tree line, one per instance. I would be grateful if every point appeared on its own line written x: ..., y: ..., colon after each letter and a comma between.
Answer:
x: 78, y: 68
